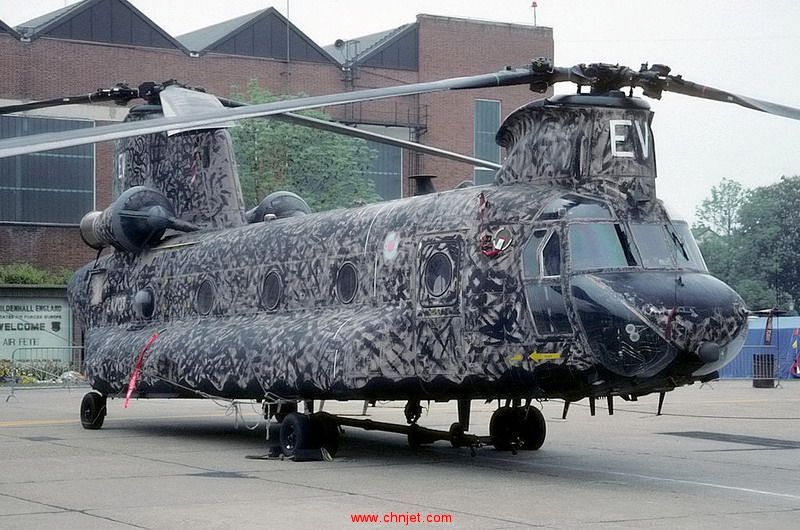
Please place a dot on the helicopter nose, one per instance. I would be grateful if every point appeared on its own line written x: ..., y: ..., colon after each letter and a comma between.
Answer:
x: 639, y: 323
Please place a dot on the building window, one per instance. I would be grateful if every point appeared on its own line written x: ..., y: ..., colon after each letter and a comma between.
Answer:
x: 487, y: 121
x: 387, y: 170
x: 53, y: 187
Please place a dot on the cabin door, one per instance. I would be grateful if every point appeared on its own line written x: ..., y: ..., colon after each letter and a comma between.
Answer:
x: 439, y: 329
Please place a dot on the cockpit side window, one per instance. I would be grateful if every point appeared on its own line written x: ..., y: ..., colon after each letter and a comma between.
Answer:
x: 530, y: 254
x: 551, y: 255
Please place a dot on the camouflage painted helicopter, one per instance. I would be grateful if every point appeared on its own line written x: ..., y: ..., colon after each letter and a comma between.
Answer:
x: 567, y: 278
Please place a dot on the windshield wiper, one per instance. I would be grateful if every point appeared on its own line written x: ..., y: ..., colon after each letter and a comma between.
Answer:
x: 677, y: 240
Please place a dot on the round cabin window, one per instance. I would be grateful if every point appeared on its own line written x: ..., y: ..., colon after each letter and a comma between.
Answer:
x: 205, y: 298
x: 346, y: 283
x: 144, y: 303
x: 271, y: 291
x: 438, y: 274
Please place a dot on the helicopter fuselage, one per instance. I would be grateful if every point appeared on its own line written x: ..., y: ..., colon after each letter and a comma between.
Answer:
x: 519, y: 290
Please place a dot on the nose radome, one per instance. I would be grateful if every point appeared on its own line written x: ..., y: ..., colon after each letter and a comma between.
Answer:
x: 703, y: 317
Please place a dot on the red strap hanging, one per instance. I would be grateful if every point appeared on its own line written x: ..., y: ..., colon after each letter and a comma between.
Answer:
x: 138, y: 368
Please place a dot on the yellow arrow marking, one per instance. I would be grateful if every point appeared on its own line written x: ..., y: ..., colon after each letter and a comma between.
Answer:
x: 536, y: 356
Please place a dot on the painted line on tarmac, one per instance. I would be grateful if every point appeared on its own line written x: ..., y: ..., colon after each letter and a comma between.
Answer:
x: 35, y: 423
x: 658, y: 479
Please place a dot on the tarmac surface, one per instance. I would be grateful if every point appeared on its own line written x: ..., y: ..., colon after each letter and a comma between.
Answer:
x: 724, y: 455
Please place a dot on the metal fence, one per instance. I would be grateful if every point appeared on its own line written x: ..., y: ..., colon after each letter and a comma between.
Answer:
x: 763, y: 364
x: 42, y: 367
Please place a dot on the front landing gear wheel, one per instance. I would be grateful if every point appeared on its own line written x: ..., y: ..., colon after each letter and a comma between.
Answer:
x: 295, y: 434
x: 503, y: 428
x: 93, y: 411
x: 532, y: 428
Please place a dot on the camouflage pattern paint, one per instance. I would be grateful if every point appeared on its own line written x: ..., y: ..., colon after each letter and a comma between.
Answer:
x: 433, y: 315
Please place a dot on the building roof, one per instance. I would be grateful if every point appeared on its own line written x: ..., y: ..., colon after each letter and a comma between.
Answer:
x: 111, y: 21
x: 35, y: 24
x: 200, y: 39
x: 358, y: 49
x: 5, y: 28
x: 263, y: 33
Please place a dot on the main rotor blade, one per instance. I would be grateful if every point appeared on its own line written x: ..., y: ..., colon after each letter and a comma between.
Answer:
x: 688, y: 88
x: 120, y: 94
x: 48, y: 141
x: 338, y: 128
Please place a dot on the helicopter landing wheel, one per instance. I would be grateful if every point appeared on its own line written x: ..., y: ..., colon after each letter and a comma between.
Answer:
x: 93, y: 410
x: 517, y: 428
x: 325, y: 432
x: 532, y: 428
x: 503, y: 428
x: 295, y: 434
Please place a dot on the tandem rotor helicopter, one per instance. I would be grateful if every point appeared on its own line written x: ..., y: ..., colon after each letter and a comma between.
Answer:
x: 565, y: 279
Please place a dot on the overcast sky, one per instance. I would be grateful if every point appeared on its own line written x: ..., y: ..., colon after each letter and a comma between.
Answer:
x: 751, y: 48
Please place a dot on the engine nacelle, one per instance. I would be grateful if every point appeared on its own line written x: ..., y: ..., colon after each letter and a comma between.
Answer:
x: 138, y: 217
x: 278, y: 205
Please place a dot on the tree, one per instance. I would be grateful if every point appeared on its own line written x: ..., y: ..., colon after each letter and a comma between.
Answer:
x: 769, y: 235
x: 720, y: 214
x: 326, y: 169
x: 720, y: 211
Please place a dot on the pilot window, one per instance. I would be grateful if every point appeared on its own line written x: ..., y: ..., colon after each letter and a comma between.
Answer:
x: 551, y: 255
x: 530, y: 255
x: 690, y: 258
x: 658, y: 252
x: 600, y: 246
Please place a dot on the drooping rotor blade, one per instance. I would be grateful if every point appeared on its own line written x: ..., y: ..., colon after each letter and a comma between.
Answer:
x: 656, y: 79
x: 539, y: 76
x: 681, y: 86
x: 121, y: 94
x: 338, y: 128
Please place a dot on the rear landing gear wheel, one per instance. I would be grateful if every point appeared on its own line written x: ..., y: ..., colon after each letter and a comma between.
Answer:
x: 295, y: 434
x: 93, y: 411
x: 325, y: 431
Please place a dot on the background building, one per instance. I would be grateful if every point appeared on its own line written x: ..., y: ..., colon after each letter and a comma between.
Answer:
x: 98, y: 43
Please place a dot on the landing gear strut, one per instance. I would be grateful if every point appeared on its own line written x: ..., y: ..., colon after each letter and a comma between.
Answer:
x: 514, y: 428
x: 93, y: 410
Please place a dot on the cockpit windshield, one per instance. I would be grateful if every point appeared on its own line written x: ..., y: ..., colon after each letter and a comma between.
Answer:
x: 693, y: 257
x: 667, y: 246
x: 600, y: 246
x: 619, y: 245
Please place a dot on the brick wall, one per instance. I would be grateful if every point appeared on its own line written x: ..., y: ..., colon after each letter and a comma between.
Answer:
x: 48, y: 68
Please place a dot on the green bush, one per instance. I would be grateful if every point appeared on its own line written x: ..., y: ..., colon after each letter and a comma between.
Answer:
x: 27, y: 274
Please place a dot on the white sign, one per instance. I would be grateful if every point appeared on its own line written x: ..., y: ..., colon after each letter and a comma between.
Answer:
x: 35, y: 323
